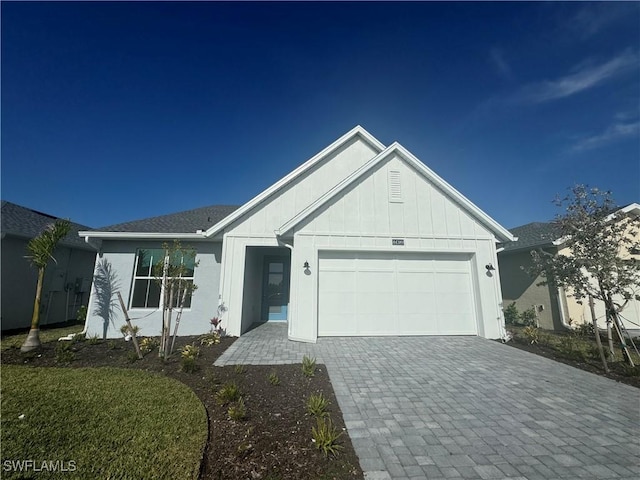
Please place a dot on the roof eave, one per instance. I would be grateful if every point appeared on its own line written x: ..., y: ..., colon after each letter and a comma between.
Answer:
x: 501, y: 233
x: 141, y: 235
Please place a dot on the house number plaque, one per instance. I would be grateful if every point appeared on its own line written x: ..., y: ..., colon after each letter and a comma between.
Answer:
x: 397, y: 241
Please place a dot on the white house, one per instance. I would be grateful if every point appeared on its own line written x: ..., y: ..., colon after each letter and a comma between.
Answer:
x: 361, y: 239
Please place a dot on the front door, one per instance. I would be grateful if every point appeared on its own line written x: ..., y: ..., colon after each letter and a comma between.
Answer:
x: 275, y: 288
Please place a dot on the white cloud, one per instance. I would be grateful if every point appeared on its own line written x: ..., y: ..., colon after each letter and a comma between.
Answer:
x: 615, y: 132
x: 597, y: 16
x: 497, y: 58
x: 583, y: 78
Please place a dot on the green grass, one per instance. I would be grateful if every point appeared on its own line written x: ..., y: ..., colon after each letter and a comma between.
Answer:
x: 113, y: 423
x: 46, y: 335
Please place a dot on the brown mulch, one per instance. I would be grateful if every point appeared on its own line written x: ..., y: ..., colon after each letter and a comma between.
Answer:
x: 617, y: 369
x: 273, y: 442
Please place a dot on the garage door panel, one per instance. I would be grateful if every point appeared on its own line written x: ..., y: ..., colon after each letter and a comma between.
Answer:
x: 387, y: 293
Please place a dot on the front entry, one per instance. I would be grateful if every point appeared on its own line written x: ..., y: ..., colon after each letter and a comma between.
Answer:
x: 275, y: 288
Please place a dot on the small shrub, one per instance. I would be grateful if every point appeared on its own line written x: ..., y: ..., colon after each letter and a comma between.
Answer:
x: 511, y: 315
x: 189, y: 354
x: 594, y: 352
x: 81, y: 314
x: 317, y: 405
x: 211, y: 338
x: 308, y: 366
x: 325, y: 437
x: 585, y: 330
x: 126, y: 331
x: 237, y: 410
x: 532, y: 334
x: 64, y: 353
x: 93, y: 340
x: 274, y: 379
x: 528, y: 317
x: 568, y: 346
x: 132, y: 357
x: 148, y: 344
x: 229, y: 392
x: 190, y: 351
x: 112, y: 345
x: 240, y: 369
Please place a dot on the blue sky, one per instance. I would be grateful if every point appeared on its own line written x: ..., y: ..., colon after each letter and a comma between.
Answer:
x: 120, y: 111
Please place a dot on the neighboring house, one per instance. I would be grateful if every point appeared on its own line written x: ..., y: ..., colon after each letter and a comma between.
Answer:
x: 67, y: 281
x: 556, y: 308
x: 362, y: 239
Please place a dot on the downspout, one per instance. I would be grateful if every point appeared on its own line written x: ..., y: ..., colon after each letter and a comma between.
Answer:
x: 290, y: 247
x: 563, y: 319
x: 502, y: 330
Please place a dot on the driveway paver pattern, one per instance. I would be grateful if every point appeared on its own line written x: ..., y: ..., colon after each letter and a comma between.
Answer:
x: 465, y: 407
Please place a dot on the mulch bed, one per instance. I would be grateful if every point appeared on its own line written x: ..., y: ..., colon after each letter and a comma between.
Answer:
x: 593, y: 366
x: 273, y: 442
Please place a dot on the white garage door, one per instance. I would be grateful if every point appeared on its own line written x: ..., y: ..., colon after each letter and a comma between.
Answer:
x: 383, y: 293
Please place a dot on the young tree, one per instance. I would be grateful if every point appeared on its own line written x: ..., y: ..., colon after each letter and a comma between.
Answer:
x: 175, y: 274
x: 601, y: 239
x: 41, y: 250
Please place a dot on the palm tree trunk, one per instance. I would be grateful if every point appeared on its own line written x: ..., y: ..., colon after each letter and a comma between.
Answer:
x: 33, y: 339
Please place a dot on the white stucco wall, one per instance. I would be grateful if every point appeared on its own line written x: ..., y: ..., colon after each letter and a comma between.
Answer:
x: 120, y: 255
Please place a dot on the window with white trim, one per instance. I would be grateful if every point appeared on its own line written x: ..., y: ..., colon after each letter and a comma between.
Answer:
x: 147, y: 278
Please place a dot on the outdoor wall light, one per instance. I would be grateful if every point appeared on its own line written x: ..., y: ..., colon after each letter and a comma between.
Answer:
x: 306, y: 265
x: 489, y: 267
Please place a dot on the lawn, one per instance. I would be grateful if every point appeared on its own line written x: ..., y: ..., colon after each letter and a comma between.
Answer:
x: 90, y: 408
x: 47, y: 334
x: 100, y: 423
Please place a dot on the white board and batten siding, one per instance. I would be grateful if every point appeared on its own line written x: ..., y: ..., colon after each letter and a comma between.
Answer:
x: 256, y: 228
x: 431, y: 282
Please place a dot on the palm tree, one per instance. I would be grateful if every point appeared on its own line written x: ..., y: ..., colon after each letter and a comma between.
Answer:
x: 40, y: 251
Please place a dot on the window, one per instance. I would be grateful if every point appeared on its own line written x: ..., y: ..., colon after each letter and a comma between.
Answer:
x: 147, y: 276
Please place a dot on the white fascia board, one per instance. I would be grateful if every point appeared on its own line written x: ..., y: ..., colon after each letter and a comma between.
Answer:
x: 358, y: 130
x: 501, y: 233
x: 140, y: 235
x: 285, y: 228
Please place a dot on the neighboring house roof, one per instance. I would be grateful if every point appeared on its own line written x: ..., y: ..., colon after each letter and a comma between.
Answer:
x: 500, y: 232
x: 186, y: 222
x: 546, y: 234
x: 357, y: 131
x: 23, y: 222
x: 533, y: 235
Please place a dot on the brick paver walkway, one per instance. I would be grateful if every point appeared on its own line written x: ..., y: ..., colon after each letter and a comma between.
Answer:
x: 465, y: 407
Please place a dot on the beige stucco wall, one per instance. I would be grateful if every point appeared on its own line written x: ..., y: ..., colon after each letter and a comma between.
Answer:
x: 579, y: 311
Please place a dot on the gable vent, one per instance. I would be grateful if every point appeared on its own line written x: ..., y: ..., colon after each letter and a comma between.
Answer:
x: 395, y: 187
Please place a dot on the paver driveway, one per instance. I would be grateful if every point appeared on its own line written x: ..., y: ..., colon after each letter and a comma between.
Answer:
x: 465, y: 407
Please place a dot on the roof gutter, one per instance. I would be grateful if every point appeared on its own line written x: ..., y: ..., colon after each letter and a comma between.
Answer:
x: 141, y: 235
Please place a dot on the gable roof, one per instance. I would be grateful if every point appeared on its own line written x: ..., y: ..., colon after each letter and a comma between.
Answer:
x: 500, y: 232
x: 23, y: 222
x: 179, y: 224
x: 357, y: 131
x: 533, y: 235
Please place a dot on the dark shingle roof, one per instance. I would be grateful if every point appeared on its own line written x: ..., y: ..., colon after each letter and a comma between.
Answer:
x: 25, y: 223
x: 181, y: 222
x: 536, y: 234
